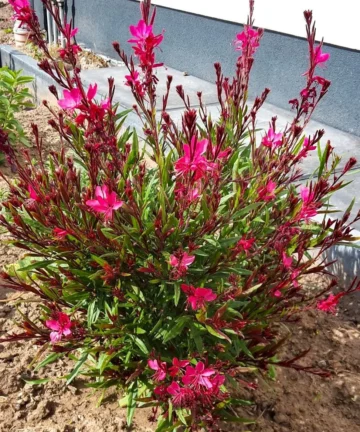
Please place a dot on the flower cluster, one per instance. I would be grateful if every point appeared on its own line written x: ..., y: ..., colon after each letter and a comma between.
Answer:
x: 197, y: 388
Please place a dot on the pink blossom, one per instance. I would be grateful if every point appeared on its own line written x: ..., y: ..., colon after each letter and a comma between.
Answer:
x: 198, y: 376
x: 18, y: 5
x: 198, y: 297
x: 106, y: 202
x: 184, y: 260
x: 308, y: 209
x: 217, y: 381
x: 69, y: 32
x: 247, y: 41
x: 60, y: 233
x: 72, y: 99
x: 61, y: 326
x: 181, y: 396
x: 272, y: 139
x: 330, y: 304
x: 92, y: 90
x: 320, y: 58
x: 245, y: 244
x: 105, y: 104
x: 72, y: 49
x: 145, y: 43
x: 34, y: 197
x: 216, y: 153
x: 159, y: 368
x: 187, y: 194
x: 140, y: 32
x: 287, y: 260
x: 177, y: 366
x: 267, y: 193
x: 193, y: 161
x: 133, y: 81
x: 161, y: 391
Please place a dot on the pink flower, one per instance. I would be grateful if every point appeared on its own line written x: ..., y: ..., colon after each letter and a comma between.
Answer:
x: 320, y: 58
x: 72, y: 99
x: 34, y: 197
x: 198, y: 375
x: 70, y: 32
x: 105, y: 104
x: 247, y: 41
x: 161, y: 391
x: 72, y: 49
x: 277, y: 293
x: 181, y: 396
x: 330, y: 304
x: 245, y: 244
x: 18, y: 5
x: 140, y: 32
x: 193, y: 161
x: 61, y: 326
x: 60, y: 233
x: 186, y: 194
x: 92, y: 90
x: 159, y: 368
x: 106, y: 202
x: 217, y: 154
x: 182, y: 260
x: 309, y: 208
x: 287, y: 260
x: 198, y: 297
x: 133, y: 81
x: 272, y: 139
x: 145, y: 43
x: 267, y: 193
x: 177, y: 366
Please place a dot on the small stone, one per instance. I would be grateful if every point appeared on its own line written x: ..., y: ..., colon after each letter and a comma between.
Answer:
x: 322, y: 363
x: 43, y: 410
x: 73, y: 390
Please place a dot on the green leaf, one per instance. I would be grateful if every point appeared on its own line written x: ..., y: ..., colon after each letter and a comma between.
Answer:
x: 176, y: 329
x: 244, y: 348
x: 132, y: 395
x: 77, y: 367
x: 49, y: 359
x: 140, y: 344
x: 177, y: 293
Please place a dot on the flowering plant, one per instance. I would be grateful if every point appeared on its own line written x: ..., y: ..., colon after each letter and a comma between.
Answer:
x: 165, y: 267
x: 14, y: 97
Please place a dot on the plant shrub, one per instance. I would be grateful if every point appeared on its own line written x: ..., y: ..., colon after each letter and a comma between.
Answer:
x: 166, y: 266
x: 14, y: 97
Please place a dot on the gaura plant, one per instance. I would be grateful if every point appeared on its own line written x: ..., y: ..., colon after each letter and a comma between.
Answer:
x: 165, y: 267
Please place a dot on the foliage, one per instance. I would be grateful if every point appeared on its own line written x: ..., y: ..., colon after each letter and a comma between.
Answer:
x: 14, y: 97
x: 168, y: 266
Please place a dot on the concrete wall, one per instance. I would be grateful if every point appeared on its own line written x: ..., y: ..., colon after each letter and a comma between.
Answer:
x: 193, y: 43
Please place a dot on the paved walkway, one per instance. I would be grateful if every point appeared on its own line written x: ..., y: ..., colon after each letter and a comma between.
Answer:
x: 346, y: 145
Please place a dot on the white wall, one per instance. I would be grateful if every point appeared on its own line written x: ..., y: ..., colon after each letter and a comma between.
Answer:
x: 337, y: 21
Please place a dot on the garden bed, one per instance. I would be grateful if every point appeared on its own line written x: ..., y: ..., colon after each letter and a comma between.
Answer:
x: 293, y: 401
x: 283, y: 401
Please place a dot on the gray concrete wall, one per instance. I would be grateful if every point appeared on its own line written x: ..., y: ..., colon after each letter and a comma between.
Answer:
x: 193, y: 43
